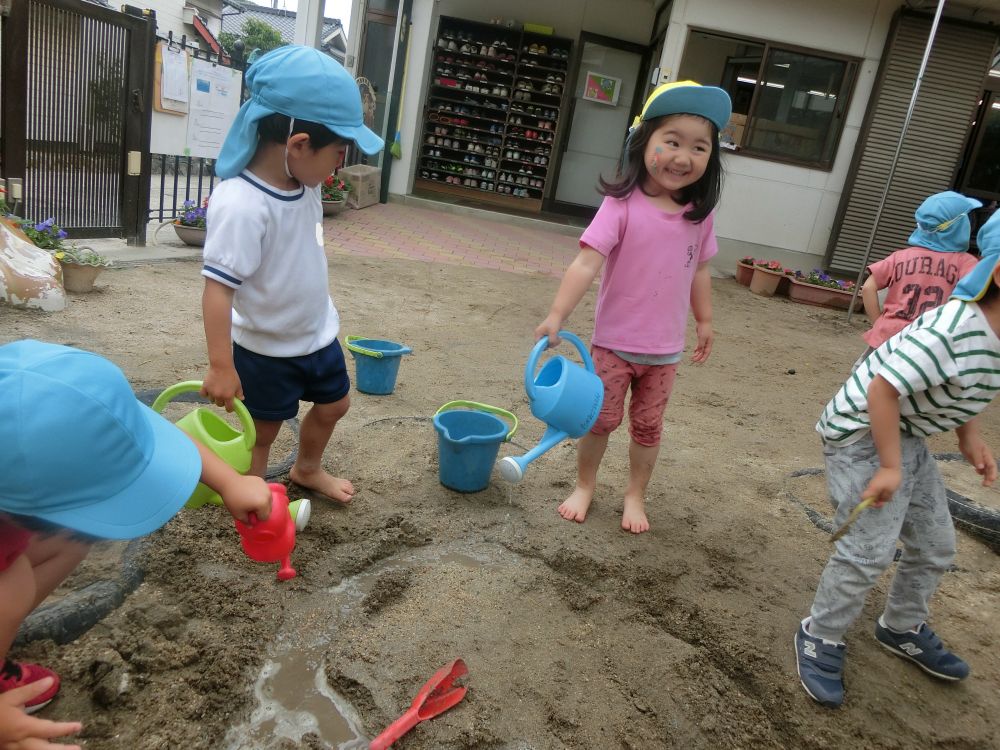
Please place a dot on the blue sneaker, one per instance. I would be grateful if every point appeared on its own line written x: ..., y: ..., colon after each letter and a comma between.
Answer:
x: 821, y: 667
x: 924, y: 649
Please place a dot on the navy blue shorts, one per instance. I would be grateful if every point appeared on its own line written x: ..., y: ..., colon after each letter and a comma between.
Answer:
x: 273, y: 386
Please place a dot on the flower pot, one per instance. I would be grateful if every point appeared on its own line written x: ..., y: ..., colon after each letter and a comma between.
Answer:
x: 822, y: 296
x: 190, y: 235
x: 80, y: 279
x: 334, y: 207
x: 744, y: 272
x: 768, y: 283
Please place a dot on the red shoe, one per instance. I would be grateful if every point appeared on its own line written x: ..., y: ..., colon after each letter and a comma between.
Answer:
x: 14, y: 675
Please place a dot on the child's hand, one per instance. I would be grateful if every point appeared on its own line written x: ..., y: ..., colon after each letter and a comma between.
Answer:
x: 550, y: 328
x: 883, y: 484
x: 19, y: 731
x: 221, y: 386
x: 979, y: 455
x: 705, y: 338
x: 243, y: 495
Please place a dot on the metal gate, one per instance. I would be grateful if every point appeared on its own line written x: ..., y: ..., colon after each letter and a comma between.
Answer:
x: 76, y: 92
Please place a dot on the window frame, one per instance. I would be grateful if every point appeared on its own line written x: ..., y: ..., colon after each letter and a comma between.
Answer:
x: 844, y: 98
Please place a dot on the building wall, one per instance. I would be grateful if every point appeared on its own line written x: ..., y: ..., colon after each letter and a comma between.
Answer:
x: 629, y: 20
x: 769, y: 208
x: 170, y: 16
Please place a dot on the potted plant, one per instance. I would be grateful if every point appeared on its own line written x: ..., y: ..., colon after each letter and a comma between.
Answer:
x: 190, y: 225
x: 769, y: 278
x: 80, y: 265
x: 744, y: 269
x: 334, y: 192
x: 819, y: 288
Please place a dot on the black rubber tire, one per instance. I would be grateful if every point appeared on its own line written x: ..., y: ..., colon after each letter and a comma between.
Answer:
x: 75, y: 614
x: 274, y: 471
x: 973, y: 518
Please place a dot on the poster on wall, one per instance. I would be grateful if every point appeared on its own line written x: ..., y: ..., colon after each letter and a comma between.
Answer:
x: 602, y: 89
x: 213, y: 104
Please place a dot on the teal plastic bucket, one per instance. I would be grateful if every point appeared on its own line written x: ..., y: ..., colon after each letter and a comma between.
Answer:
x: 469, y: 437
x: 376, y: 364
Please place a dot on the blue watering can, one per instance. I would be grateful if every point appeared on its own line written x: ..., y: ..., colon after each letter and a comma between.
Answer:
x: 564, y: 395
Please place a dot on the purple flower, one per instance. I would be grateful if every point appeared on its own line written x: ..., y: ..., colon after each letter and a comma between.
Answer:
x: 45, y: 225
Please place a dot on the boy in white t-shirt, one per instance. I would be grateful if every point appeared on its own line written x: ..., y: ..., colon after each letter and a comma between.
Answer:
x: 270, y: 324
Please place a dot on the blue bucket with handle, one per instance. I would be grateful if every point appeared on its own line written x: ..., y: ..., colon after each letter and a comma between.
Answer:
x: 469, y: 437
x: 376, y: 363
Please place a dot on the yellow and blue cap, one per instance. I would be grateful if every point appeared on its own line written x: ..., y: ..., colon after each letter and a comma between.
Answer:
x: 943, y: 222
x: 974, y: 284
x: 687, y: 98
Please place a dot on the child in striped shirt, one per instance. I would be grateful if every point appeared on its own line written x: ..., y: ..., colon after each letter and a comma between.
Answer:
x: 935, y: 375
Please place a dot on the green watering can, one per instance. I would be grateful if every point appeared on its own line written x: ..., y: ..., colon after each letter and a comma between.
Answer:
x: 212, y: 431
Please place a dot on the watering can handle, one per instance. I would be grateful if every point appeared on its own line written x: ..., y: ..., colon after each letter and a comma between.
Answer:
x: 536, y: 352
x: 483, y: 407
x: 249, y: 431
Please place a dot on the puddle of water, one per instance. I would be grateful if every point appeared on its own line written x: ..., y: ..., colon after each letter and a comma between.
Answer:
x: 292, y: 694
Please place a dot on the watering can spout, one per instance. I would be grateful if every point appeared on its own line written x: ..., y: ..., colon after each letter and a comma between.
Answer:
x: 512, y: 467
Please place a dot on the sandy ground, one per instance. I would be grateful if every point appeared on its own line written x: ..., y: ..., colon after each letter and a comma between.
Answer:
x: 575, y: 636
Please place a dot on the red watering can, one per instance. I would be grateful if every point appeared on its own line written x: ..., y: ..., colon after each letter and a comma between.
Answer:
x: 436, y: 696
x: 274, y: 539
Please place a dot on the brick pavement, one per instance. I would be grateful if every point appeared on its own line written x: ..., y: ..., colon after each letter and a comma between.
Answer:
x: 395, y: 230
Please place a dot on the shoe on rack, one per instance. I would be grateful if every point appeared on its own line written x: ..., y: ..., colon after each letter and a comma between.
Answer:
x: 18, y: 674
x: 923, y: 648
x: 820, y: 664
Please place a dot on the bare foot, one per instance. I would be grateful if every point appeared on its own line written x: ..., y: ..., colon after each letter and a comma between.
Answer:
x: 575, y: 507
x: 339, y: 489
x: 634, y: 516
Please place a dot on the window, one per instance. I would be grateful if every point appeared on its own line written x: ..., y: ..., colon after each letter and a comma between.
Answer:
x: 788, y: 103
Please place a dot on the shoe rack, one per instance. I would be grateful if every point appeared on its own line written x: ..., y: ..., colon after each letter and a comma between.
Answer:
x: 492, y: 113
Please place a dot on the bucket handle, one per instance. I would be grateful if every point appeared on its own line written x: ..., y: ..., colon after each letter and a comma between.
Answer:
x: 351, y: 346
x: 483, y: 407
x: 249, y: 431
x: 536, y: 352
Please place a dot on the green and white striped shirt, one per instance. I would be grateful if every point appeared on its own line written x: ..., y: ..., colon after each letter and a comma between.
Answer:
x: 945, y: 366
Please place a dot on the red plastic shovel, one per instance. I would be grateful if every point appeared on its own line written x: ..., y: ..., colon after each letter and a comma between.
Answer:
x: 436, y: 696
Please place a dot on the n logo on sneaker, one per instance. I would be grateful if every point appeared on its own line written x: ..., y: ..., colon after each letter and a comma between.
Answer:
x: 809, y: 649
x: 911, y: 648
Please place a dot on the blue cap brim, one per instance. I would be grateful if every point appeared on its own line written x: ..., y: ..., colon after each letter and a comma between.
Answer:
x: 155, y: 496
x: 710, y: 102
x: 974, y: 284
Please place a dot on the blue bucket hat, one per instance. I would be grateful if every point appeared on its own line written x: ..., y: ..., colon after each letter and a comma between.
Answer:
x: 943, y: 222
x: 974, y: 284
x: 79, y: 449
x: 303, y: 83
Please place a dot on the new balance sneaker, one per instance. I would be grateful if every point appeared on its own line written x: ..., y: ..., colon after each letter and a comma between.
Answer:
x: 923, y: 648
x: 821, y: 667
x: 14, y: 675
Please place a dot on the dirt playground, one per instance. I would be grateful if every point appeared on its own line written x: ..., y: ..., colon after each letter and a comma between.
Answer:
x: 575, y: 635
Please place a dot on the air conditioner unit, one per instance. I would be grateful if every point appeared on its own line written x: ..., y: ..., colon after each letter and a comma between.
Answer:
x: 188, y: 14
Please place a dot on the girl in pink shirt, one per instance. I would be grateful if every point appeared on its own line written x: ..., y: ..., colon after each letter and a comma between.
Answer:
x: 655, y: 230
x: 920, y: 277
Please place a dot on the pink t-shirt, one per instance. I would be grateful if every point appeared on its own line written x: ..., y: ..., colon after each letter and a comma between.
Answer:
x: 918, y: 280
x: 652, y: 256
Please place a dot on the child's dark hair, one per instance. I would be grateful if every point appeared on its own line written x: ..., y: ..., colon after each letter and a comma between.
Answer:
x: 703, y: 195
x: 274, y: 129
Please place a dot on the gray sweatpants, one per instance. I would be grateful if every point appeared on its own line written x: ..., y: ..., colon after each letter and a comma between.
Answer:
x: 917, y: 515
